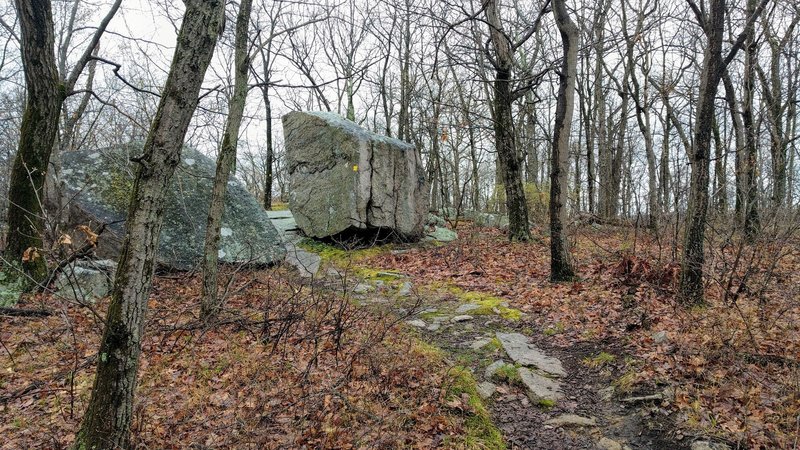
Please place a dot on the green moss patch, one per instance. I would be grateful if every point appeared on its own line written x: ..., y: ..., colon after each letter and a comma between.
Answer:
x: 546, y: 403
x: 480, y: 432
x: 509, y: 374
x: 553, y: 330
x: 337, y: 255
x: 489, y: 304
x: 600, y: 360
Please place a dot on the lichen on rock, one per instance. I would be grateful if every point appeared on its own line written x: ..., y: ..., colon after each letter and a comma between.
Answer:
x: 98, y: 184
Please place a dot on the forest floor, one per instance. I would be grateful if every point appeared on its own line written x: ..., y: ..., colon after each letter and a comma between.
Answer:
x: 389, y: 347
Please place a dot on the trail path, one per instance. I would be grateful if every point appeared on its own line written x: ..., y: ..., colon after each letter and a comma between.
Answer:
x: 540, y: 396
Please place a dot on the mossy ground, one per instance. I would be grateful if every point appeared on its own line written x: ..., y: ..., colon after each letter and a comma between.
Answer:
x: 488, y: 304
x: 480, y: 432
x: 341, y: 256
x: 602, y: 359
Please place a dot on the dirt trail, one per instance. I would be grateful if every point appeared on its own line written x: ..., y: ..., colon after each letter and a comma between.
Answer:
x: 539, y: 396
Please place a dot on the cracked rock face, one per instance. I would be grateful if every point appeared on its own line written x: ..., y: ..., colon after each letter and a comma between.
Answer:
x: 98, y: 184
x: 345, y: 178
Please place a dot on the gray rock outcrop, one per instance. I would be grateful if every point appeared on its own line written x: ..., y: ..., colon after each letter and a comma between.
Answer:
x: 86, y: 281
x: 343, y: 178
x: 98, y: 185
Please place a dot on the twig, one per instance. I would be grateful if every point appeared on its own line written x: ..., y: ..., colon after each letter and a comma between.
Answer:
x: 22, y: 312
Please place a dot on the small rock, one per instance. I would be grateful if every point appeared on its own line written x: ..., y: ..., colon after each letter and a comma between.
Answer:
x: 362, y: 288
x: 434, y: 326
x: 405, y: 289
x: 606, y: 393
x: 609, y: 444
x: 708, y: 445
x: 441, y: 234
x: 416, y: 323
x: 79, y: 282
x: 660, y: 337
x: 643, y: 398
x: 462, y: 318
x: 467, y: 308
x: 480, y: 343
x: 540, y: 386
x: 492, y: 368
x: 392, y: 275
x: 486, y: 389
x: 567, y: 420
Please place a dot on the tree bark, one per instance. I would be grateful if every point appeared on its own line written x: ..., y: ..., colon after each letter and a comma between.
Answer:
x: 750, y: 132
x: 46, y: 93
x: 690, y: 290
x: 226, y: 160
x: 37, y: 137
x: 560, y: 261
x: 505, y: 142
x: 107, y: 421
x: 691, y: 280
x: 641, y: 104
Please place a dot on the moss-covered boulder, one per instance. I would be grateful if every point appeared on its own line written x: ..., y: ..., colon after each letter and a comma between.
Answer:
x: 98, y: 185
x: 345, y: 179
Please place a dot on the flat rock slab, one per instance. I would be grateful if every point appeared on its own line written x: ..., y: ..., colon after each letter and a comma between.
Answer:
x: 492, y: 368
x: 463, y: 309
x: 540, y: 386
x: 479, y: 343
x: 405, y: 289
x: 521, y: 351
x: 567, y: 420
x: 416, y: 323
x: 486, y: 389
x: 609, y: 444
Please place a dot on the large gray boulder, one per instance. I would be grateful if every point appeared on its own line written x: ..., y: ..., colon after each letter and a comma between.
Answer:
x: 343, y: 178
x: 98, y: 185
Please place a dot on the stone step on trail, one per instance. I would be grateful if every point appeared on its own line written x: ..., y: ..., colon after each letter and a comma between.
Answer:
x: 542, y: 387
x: 524, y: 353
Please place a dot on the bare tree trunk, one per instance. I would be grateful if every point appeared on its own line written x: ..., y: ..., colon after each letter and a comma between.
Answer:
x: 210, y: 303
x: 107, y: 421
x: 751, y: 218
x: 720, y: 189
x: 37, y: 137
x: 38, y: 131
x: 604, y: 152
x: 691, y: 287
x: 664, y: 173
x: 740, y: 205
x: 269, y: 158
x: 560, y: 261
x: 505, y: 143
x: 641, y: 103
x: 691, y: 281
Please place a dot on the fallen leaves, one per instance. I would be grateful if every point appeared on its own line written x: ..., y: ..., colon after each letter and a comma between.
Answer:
x: 625, y: 295
x: 225, y: 387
